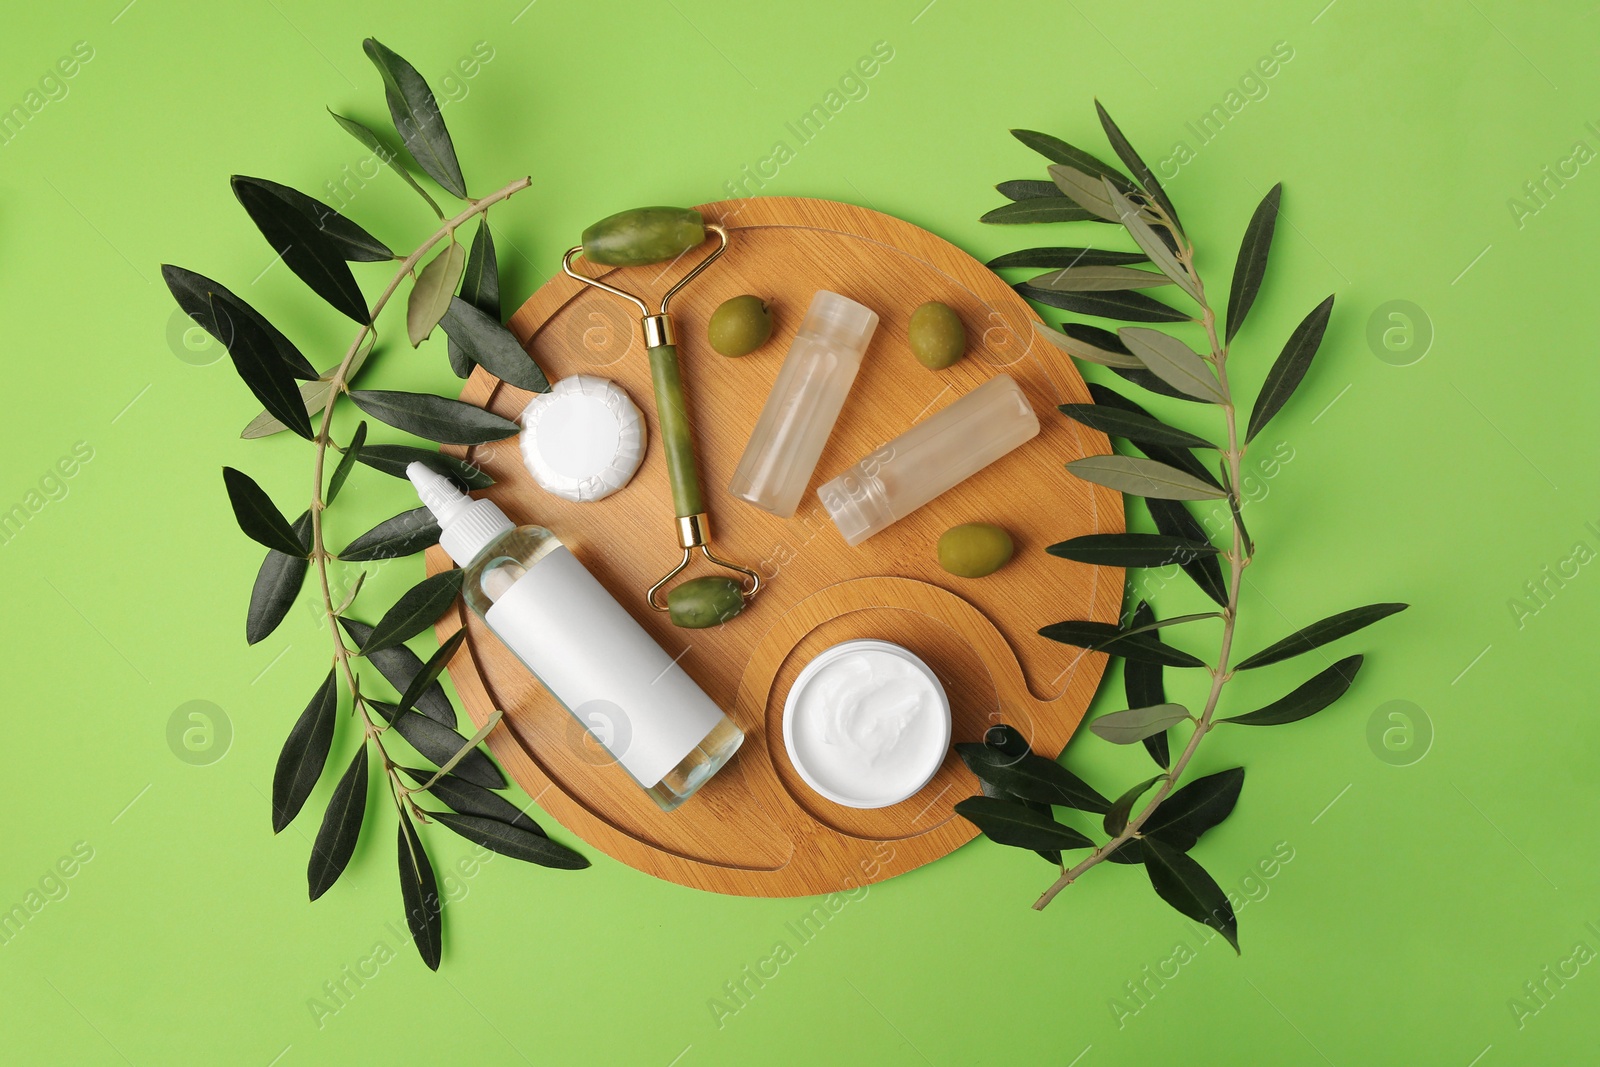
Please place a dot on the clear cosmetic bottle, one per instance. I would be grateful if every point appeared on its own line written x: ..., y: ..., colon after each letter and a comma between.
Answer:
x: 582, y: 645
x: 936, y: 454
x: 804, y: 404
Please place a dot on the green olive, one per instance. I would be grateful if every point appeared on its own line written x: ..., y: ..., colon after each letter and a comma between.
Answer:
x: 702, y: 602
x: 643, y: 235
x: 937, y: 337
x: 974, y: 549
x: 739, y: 326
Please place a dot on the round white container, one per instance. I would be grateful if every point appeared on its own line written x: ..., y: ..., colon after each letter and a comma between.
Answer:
x: 866, y: 724
x: 584, y: 439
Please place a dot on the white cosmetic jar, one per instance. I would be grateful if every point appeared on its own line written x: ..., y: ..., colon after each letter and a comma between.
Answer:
x: 866, y: 724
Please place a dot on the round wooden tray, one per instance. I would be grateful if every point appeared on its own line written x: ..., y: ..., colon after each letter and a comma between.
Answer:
x: 757, y: 829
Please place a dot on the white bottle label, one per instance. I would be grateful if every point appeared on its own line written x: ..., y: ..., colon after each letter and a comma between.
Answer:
x: 594, y: 658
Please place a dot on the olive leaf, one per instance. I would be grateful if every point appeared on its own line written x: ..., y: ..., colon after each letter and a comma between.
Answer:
x: 1029, y: 776
x: 1144, y: 684
x: 1136, y: 166
x: 1058, y: 151
x: 419, y: 892
x: 1129, y: 549
x: 304, y: 754
x: 480, y: 287
x: 417, y: 119
x: 1290, y: 367
x: 394, y: 459
x: 490, y: 344
x: 1320, y: 633
x: 1116, y: 820
x: 1136, y: 724
x: 1086, y: 190
x: 1137, y: 476
x: 1038, y: 209
x: 1197, y: 807
x: 1026, y: 189
x: 1097, y: 279
x: 1145, y: 380
x: 195, y: 294
x: 436, y: 418
x: 1151, y: 242
x: 1112, y: 406
x: 1252, y: 264
x: 399, y: 665
x: 1124, y: 304
x: 408, y: 532
x: 259, y: 517
x: 259, y: 364
x: 430, y: 672
x: 470, y: 799
x: 1174, y: 519
x: 353, y: 242
x: 1184, y: 884
x: 1323, y: 689
x: 313, y: 395
x: 1098, y: 346
x: 277, y: 585
x: 341, y: 827
x: 1174, y: 362
x: 1137, y: 427
x: 1130, y: 645
x: 305, y: 249
x: 440, y: 744
x: 416, y: 610
x: 1006, y: 741
x: 1007, y: 822
x: 431, y: 292
x: 347, y: 462
x: 382, y: 151
x: 1058, y: 258
x: 510, y: 840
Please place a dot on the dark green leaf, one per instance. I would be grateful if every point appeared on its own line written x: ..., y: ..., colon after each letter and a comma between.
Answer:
x: 313, y: 395
x: 261, y: 367
x: 341, y: 826
x: 1138, y: 476
x: 1097, y: 280
x: 347, y: 462
x: 305, y: 249
x: 382, y: 151
x: 1184, y: 884
x: 1027, y: 189
x: 1058, y: 151
x: 439, y: 743
x: 1130, y: 550
x: 1290, y: 366
x: 1140, y: 429
x: 353, y: 242
x: 1116, y: 820
x: 431, y: 670
x: 1320, y: 633
x: 419, y: 891
x: 417, y: 118
x: 1174, y: 362
x: 1130, y: 159
x: 1173, y: 517
x: 195, y: 294
x: 1007, y: 741
x: 1038, y: 209
x: 1007, y: 822
x: 470, y: 799
x: 1252, y: 264
x: 1077, y: 340
x: 432, y: 292
x: 415, y: 611
x: 1057, y: 258
x: 1029, y: 776
x: 408, y: 532
x: 1136, y: 724
x: 436, y: 418
x: 399, y: 665
x: 1196, y: 808
x: 394, y: 459
x: 1126, y: 304
x: 1328, y: 685
x: 1144, y: 685
x: 480, y: 287
x: 491, y: 344
x: 513, y: 841
x: 304, y: 754
x: 1106, y: 398
x: 259, y: 517
x: 1104, y: 637
x: 277, y: 585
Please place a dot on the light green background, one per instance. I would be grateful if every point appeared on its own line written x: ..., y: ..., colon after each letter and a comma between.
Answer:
x: 1420, y: 897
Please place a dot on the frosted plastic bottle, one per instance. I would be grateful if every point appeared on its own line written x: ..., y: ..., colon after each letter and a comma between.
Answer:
x: 936, y: 454
x: 804, y: 404
x: 582, y: 645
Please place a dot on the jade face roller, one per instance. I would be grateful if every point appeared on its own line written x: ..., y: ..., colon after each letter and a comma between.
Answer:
x: 638, y: 238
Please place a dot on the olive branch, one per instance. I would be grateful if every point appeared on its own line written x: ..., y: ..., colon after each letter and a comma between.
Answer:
x: 1020, y: 788
x: 458, y: 290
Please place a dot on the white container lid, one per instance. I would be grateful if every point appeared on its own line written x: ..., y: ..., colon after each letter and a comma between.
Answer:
x: 584, y: 439
x: 866, y: 724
